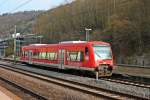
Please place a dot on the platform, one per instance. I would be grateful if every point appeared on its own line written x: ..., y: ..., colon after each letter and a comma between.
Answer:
x: 7, y: 95
x: 4, y: 96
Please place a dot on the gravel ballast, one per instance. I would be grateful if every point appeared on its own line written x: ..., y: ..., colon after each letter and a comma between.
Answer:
x: 49, y: 90
x: 129, y: 89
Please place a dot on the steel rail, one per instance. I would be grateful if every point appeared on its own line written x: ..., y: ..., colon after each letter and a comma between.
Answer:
x: 89, y: 89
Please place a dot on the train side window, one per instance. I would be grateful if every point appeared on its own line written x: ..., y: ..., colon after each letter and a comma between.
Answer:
x: 35, y: 55
x: 81, y: 56
x: 86, y: 51
x: 23, y: 55
x: 52, y: 55
x: 38, y: 55
x: 42, y: 55
x: 26, y: 54
x: 75, y: 56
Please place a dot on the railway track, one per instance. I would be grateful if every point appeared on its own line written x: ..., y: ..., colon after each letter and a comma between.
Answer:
x: 127, y: 82
x: 88, y: 89
x: 137, y: 66
x: 23, y: 89
x: 122, y: 80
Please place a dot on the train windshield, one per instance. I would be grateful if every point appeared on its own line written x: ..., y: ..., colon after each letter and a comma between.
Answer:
x: 102, y: 52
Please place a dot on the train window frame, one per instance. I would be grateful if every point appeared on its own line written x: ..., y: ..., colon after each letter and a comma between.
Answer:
x: 79, y: 56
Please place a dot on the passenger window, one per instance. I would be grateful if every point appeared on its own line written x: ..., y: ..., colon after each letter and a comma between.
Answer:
x: 26, y: 53
x: 42, y: 55
x: 52, y: 55
x: 35, y: 55
x: 75, y: 56
x: 23, y: 54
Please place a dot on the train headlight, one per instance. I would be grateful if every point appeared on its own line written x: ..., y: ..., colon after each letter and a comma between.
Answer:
x: 86, y: 58
x: 104, y: 62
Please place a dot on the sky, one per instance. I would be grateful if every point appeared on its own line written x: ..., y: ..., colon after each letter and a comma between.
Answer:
x: 11, y: 6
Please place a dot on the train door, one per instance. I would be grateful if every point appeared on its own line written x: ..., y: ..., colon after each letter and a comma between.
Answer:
x: 61, y: 58
x: 30, y: 54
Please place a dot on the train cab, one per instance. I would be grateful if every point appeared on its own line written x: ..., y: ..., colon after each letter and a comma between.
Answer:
x: 103, y: 59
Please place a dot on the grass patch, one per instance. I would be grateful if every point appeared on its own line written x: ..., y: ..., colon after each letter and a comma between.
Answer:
x: 133, y: 71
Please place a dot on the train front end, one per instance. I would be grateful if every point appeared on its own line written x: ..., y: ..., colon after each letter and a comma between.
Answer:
x: 103, y: 59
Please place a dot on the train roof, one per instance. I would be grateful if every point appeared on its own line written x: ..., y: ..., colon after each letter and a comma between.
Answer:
x: 67, y: 43
x: 37, y: 44
x: 83, y: 42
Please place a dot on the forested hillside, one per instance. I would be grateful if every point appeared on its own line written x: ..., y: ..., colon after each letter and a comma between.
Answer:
x: 23, y: 20
x: 123, y: 23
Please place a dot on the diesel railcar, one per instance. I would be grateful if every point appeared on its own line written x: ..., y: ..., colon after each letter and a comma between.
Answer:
x: 95, y: 56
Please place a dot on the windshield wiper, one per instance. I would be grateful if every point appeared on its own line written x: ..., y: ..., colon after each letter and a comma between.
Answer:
x: 98, y: 55
x: 107, y: 59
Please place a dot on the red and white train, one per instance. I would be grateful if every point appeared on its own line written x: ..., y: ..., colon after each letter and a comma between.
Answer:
x: 94, y: 56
